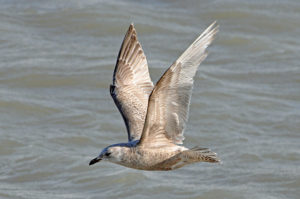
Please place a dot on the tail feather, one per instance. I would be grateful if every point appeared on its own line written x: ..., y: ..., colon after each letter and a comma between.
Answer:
x: 205, y: 154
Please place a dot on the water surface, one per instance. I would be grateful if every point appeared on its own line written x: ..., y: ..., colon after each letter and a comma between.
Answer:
x: 56, y: 113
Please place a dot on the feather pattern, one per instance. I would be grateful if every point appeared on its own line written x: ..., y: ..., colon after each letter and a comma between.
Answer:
x: 131, y: 85
x: 169, y: 101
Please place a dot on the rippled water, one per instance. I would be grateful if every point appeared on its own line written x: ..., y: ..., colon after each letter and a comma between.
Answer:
x: 57, y: 59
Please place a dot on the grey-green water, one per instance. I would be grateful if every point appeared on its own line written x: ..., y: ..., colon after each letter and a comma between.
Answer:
x: 56, y: 64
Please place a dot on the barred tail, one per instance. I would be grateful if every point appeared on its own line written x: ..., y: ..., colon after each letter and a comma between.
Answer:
x: 204, y: 154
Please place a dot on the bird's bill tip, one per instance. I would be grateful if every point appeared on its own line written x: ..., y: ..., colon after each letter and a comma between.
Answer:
x: 95, y: 160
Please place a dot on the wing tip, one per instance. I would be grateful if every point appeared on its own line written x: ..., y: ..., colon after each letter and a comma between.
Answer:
x: 214, y: 24
x: 214, y: 27
x: 131, y: 30
x: 131, y: 26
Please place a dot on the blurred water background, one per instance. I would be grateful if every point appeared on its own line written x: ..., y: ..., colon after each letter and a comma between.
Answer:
x: 56, y: 63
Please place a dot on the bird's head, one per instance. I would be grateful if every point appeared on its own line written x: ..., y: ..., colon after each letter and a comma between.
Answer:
x: 111, y: 153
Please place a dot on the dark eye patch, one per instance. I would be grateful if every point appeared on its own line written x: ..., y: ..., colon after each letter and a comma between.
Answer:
x: 107, y: 154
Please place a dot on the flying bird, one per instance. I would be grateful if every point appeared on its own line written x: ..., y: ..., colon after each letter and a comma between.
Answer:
x: 155, y: 116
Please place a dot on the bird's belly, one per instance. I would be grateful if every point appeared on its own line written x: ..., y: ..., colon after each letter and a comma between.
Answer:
x: 146, y: 159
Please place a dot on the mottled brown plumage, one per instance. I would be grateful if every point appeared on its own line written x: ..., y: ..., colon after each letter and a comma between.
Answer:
x: 155, y: 117
x: 132, y: 84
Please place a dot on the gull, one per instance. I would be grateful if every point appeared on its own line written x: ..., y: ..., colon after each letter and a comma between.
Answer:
x: 155, y: 116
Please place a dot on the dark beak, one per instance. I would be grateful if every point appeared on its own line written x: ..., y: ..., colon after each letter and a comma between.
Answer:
x: 95, y: 160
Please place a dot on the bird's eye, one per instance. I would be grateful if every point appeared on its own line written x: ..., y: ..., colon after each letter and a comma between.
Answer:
x: 107, y: 153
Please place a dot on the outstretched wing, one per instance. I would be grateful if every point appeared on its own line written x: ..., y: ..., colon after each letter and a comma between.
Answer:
x: 132, y: 84
x: 169, y: 101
